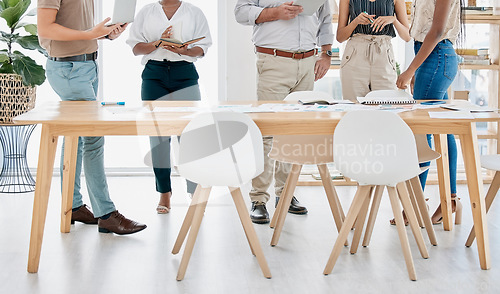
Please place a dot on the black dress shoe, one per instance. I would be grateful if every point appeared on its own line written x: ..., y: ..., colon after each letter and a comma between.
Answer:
x: 295, y: 206
x: 84, y: 215
x: 258, y: 213
x: 119, y: 224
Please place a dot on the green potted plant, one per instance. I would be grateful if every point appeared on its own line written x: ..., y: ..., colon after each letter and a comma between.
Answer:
x: 19, y: 74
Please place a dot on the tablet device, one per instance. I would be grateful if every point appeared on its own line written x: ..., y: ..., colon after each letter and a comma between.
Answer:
x: 434, y: 102
x: 123, y: 11
x: 310, y: 6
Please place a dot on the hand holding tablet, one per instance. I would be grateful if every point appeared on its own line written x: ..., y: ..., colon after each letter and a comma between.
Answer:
x: 309, y: 6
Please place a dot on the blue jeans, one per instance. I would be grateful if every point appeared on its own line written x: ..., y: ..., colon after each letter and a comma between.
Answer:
x: 432, y: 80
x: 78, y: 81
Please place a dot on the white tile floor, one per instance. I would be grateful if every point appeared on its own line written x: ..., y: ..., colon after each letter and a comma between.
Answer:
x: 85, y: 261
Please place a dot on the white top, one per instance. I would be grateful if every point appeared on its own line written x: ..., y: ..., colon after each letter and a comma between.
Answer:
x: 301, y: 33
x: 187, y: 23
x: 423, y: 14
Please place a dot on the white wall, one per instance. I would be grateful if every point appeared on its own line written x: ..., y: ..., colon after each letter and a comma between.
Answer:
x: 240, y: 71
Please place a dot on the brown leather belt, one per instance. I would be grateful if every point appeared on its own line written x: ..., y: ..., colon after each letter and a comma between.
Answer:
x: 294, y: 55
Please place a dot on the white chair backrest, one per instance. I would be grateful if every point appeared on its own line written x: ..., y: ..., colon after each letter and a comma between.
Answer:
x: 375, y: 147
x: 304, y: 149
x: 388, y: 93
x: 221, y: 149
x: 299, y: 95
x: 491, y: 161
x: 424, y: 151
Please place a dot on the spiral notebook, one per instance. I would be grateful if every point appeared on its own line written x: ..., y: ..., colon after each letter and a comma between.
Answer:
x: 378, y: 100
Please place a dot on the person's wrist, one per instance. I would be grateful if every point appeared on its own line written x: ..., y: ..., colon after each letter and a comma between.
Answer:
x: 157, y: 44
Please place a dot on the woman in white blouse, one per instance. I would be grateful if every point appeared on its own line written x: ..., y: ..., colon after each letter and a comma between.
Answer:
x: 169, y: 73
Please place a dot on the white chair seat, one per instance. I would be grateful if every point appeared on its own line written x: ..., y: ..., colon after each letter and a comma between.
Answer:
x: 491, y: 161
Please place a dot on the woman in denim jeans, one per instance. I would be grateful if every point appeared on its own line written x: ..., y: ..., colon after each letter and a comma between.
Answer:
x: 435, y: 27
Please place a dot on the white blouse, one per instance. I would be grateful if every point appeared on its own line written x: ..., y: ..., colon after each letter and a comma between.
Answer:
x: 187, y: 23
x: 423, y: 14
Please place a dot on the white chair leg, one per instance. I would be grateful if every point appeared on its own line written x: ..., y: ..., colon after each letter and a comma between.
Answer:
x: 412, y: 219
x: 419, y: 196
x: 188, y: 219
x: 411, y: 194
x: 286, y: 199
x: 244, y: 228
x: 360, y: 222
x: 490, y: 196
x: 250, y: 231
x: 353, y: 212
x: 403, y: 238
x: 332, y: 196
x: 193, y: 233
x: 377, y: 197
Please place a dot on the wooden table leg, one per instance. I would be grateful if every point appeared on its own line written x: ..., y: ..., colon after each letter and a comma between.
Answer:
x: 68, y: 181
x: 443, y: 170
x: 48, y: 146
x: 475, y: 184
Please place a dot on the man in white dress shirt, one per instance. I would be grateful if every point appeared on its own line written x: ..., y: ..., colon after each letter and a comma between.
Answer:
x: 287, y: 61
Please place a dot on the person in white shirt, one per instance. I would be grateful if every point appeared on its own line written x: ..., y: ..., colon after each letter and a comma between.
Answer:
x: 169, y: 73
x: 287, y: 61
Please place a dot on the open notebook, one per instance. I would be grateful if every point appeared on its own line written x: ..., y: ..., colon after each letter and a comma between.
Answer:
x: 386, y: 97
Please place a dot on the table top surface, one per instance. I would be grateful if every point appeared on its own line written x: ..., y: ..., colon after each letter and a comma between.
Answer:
x: 86, y: 114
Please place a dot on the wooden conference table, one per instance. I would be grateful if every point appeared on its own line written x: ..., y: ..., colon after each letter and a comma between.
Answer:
x: 74, y: 119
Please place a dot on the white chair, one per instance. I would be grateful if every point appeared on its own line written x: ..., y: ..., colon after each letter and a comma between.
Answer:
x: 377, y: 148
x: 491, y: 162
x: 297, y: 151
x: 424, y: 154
x: 219, y: 149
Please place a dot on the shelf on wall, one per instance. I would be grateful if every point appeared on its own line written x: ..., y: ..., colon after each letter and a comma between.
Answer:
x: 479, y: 66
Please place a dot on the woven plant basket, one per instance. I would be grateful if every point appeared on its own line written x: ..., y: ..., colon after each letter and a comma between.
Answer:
x: 15, y: 97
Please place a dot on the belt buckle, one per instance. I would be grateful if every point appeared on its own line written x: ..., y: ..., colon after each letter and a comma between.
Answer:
x: 274, y: 50
x: 293, y: 55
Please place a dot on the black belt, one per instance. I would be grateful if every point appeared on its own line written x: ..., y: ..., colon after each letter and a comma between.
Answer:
x: 81, y: 57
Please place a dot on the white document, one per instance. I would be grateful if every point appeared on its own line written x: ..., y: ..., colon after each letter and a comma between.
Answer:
x: 452, y: 114
x: 310, y: 6
x: 466, y: 105
x: 123, y: 11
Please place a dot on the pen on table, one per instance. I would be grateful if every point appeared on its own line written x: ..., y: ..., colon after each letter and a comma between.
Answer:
x: 368, y: 18
x: 104, y: 103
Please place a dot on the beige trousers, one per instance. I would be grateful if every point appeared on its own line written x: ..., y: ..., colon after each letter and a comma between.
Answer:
x: 276, y: 78
x: 367, y: 65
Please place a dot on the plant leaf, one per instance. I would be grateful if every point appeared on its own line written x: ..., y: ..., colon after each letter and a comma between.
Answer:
x: 6, y: 68
x: 29, y: 42
x: 32, y: 12
x: 15, y: 11
x: 4, y: 57
x: 32, y: 73
x: 5, y: 37
x: 30, y: 28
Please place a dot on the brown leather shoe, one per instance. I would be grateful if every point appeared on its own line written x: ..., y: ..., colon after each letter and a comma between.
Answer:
x: 84, y: 215
x: 119, y: 224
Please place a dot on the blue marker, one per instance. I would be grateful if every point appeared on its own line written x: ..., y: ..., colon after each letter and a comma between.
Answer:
x: 369, y: 18
x: 112, y: 103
